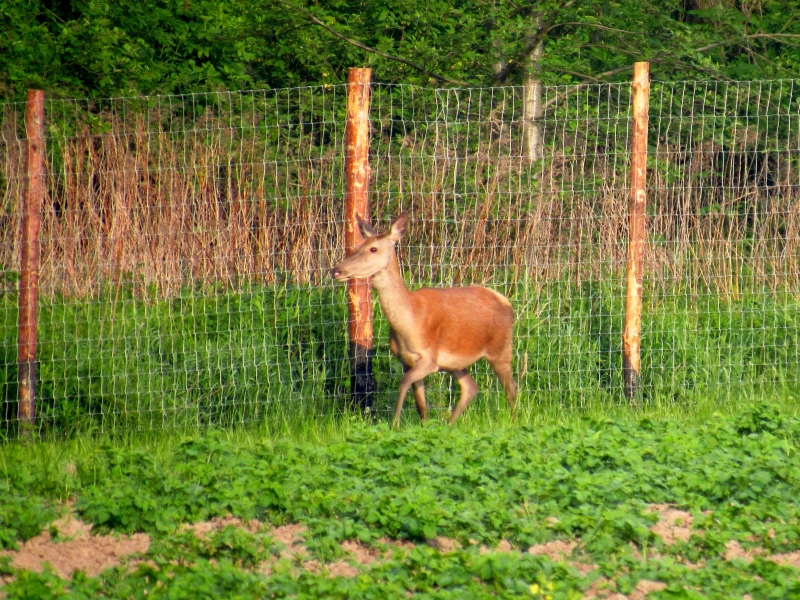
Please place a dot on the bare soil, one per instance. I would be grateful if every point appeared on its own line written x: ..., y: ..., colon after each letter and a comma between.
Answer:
x: 73, y: 548
x: 203, y: 528
x: 790, y: 559
x: 556, y: 550
x: 68, y: 546
x: 604, y: 588
x: 674, y: 525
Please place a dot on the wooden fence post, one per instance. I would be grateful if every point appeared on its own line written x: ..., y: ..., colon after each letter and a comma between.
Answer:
x: 29, y: 276
x: 359, y: 291
x: 631, y: 363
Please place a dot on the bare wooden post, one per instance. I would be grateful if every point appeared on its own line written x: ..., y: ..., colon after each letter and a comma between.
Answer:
x: 359, y: 291
x: 29, y: 277
x: 636, y: 243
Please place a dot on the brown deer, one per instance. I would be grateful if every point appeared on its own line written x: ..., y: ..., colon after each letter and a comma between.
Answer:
x: 445, y: 329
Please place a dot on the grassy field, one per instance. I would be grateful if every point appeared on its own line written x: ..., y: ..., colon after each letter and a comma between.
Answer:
x: 699, y: 503
x: 120, y: 363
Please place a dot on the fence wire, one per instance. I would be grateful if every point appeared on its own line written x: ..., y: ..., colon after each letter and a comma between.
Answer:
x: 187, y: 243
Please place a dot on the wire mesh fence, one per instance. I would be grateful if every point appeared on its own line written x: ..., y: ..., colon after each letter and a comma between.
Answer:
x: 187, y: 241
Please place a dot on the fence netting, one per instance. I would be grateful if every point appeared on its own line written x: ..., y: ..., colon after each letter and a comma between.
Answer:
x: 187, y: 243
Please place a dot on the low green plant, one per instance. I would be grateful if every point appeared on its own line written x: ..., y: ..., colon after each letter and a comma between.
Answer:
x: 588, y: 481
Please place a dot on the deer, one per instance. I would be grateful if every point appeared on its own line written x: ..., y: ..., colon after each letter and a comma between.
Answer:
x: 433, y: 329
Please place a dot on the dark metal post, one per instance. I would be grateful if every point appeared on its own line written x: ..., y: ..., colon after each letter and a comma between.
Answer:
x: 29, y: 277
x: 631, y: 364
x: 359, y: 292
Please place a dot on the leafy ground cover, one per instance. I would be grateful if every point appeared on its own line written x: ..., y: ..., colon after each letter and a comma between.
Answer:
x: 663, y: 508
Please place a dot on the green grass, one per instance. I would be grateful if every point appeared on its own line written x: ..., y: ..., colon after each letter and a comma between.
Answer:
x: 121, y: 363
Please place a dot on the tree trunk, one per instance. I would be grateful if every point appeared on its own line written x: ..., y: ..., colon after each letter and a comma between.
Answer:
x: 532, y: 102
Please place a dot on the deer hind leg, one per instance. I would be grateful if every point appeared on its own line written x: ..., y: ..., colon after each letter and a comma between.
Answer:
x: 423, y: 367
x: 419, y: 399
x: 468, y: 390
x: 502, y: 366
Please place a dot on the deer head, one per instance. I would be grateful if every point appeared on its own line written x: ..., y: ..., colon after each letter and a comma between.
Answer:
x: 373, y: 254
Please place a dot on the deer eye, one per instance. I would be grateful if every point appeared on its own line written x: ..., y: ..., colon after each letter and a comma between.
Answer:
x: 373, y: 249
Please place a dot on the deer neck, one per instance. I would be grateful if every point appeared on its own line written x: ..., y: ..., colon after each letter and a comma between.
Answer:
x: 394, y: 297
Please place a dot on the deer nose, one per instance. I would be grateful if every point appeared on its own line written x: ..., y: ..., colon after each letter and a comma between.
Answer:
x: 335, y: 272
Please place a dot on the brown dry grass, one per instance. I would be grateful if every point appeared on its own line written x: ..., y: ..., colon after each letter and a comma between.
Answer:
x: 221, y: 206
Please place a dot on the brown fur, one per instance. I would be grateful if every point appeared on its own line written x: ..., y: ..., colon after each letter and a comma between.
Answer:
x: 434, y: 329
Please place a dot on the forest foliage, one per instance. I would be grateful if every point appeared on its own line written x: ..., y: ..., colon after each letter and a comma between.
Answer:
x: 99, y: 48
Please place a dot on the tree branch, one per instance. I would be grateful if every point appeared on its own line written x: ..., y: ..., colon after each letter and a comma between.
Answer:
x: 590, y: 79
x: 754, y: 54
x: 751, y: 36
x: 636, y: 53
x: 366, y: 48
x: 595, y: 25
x: 586, y: 78
x: 531, y: 43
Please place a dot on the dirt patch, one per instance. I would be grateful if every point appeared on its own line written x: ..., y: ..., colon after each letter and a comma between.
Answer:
x: 690, y: 565
x: 606, y: 589
x: 402, y: 545
x: 75, y: 549
x: 203, y: 528
x: 360, y: 553
x: 674, y: 525
x: 556, y: 549
x: 791, y: 559
x: 444, y: 544
x: 601, y: 588
x: 735, y: 551
x: 341, y: 568
x: 504, y: 546
x: 644, y: 587
x: 291, y: 535
x: 583, y: 568
x: 72, y: 548
x: 561, y: 550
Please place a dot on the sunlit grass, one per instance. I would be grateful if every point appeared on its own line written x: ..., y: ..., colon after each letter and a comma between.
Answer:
x: 274, y: 362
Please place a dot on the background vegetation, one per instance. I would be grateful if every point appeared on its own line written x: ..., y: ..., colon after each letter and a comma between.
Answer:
x: 95, y: 48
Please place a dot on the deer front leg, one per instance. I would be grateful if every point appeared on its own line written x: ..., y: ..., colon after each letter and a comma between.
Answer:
x: 421, y: 369
x: 419, y: 396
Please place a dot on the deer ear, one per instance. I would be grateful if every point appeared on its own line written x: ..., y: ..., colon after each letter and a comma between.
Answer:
x: 366, y: 228
x: 398, y: 227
